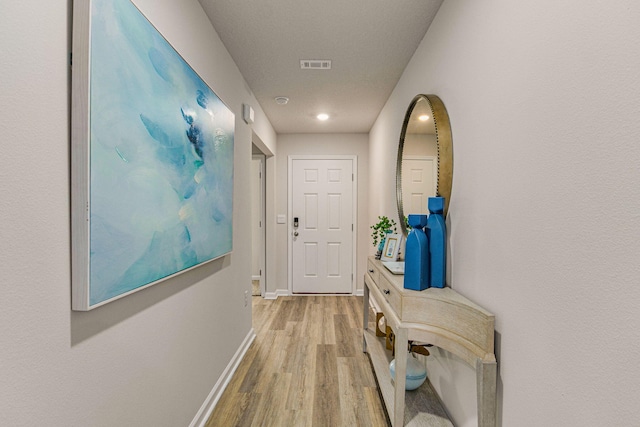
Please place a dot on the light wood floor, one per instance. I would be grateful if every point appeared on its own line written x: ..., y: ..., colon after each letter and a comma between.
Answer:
x: 305, y: 368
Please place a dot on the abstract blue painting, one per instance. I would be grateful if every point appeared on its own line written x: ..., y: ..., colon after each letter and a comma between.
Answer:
x: 160, y: 160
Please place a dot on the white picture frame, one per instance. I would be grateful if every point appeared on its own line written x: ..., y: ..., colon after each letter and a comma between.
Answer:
x: 391, y: 247
x: 152, y: 155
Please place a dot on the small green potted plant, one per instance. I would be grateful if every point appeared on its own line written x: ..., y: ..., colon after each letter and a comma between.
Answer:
x: 383, y: 227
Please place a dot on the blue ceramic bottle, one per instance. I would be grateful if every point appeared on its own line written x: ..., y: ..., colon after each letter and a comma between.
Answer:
x: 416, y: 258
x: 437, y: 235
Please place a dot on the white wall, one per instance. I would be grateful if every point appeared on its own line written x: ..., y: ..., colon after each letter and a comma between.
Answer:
x: 313, y: 144
x: 544, y: 223
x: 147, y: 359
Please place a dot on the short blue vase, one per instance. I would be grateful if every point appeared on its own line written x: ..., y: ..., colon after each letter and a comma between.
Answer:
x: 416, y: 258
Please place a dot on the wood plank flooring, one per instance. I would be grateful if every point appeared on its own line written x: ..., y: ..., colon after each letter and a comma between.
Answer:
x: 305, y: 368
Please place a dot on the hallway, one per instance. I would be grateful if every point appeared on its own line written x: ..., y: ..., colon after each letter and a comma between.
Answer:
x: 305, y: 368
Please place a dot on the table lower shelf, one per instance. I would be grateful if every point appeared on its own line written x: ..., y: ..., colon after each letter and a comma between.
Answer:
x: 422, y: 406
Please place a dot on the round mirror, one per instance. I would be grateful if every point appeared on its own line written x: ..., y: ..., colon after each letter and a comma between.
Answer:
x: 425, y: 157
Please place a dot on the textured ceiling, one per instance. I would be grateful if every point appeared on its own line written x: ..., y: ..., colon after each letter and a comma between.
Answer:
x: 369, y: 42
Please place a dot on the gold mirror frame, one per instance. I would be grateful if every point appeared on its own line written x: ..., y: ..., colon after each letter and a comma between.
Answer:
x: 444, y: 148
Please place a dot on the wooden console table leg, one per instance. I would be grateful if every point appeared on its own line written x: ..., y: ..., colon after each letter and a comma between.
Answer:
x: 401, y: 344
x: 486, y: 377
x: 365, y: 316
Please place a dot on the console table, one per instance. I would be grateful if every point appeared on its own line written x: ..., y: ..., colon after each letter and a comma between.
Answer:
x: 441, y: 317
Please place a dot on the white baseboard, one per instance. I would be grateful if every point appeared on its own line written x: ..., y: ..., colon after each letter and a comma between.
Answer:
x: 212, y: 399
x: 285, y: 293
x: 276, y: 294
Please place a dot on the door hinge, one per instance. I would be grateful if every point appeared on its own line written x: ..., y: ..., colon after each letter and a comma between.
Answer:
x: 351, y: 227
x: 352, y: 178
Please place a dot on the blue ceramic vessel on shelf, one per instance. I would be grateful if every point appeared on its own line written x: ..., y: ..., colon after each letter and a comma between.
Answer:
x: 437, y: 236
x: 416, y: 258
x: 416, y: 372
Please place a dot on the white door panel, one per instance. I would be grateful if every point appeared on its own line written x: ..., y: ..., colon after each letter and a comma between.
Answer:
x: 322, y: 200
x: 419, y: 177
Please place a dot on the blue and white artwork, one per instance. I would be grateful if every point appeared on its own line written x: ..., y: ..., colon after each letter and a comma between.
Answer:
x: 161, y: 158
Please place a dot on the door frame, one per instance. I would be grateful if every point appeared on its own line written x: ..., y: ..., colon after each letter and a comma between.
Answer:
x: 261, y: 207
x: 354, y: 213
x: 270, y: 229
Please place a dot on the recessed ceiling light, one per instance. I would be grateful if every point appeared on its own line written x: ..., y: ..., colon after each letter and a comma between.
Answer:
x: 423, y: 118
x: 322, y: 116
x: 281, y: 100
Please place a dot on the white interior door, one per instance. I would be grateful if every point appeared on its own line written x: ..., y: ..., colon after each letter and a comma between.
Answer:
x: 419, y: 177
x: 322, y: 195
x: 257, y: 221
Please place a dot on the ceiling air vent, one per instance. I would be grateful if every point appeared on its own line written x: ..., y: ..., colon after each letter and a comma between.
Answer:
x: 315, y: 64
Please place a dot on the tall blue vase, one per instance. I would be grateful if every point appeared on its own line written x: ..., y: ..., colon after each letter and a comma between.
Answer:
x: 416, y: 257
x: 437, y: 235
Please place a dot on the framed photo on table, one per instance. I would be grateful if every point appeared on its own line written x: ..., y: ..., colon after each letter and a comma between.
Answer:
x: 391, y: 247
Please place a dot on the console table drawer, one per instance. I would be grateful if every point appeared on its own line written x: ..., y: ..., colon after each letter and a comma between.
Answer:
x: 373, y: 271
x: 391, y: 294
